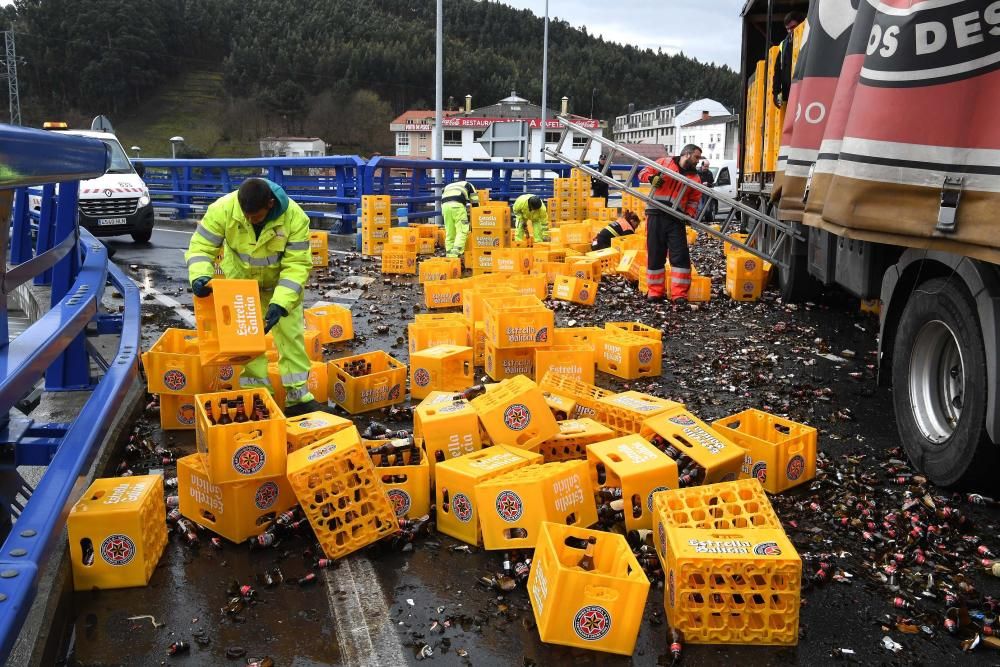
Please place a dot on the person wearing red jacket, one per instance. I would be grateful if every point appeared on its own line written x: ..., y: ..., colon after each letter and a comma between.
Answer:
x: 666, y: 232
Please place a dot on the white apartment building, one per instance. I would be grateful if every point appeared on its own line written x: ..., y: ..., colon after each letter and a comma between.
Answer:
x: 292, y: 147
x: 713, y: 135
x: 662, y: 124
x: 413, y: 130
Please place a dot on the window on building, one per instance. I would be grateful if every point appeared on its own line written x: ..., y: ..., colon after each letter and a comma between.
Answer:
x: 312, y: 153
x: 452, y: 137
x: 552, y: 137
x: 423, y: 149
x: 403, y: 143
x: 477, y: 134
x: 579, y: 142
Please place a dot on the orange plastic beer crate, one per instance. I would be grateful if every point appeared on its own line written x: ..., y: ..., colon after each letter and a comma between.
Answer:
x: 588, y: 336
x: 585, y: 268
x: 625, y: 412
x: 238, y: 451
x: 548, y: 252
x: 728, y: 248
x: 633, y: 328
x: 628, y: 356
x: 561, y: 406
x: 522, y: 321
x: 177, y: 412
x: 484, y: 239
x: 501, y: 364
x: 478, y: 331
x: 371, y: 247
x: 479, y: 261
x: 308, y: 428
x: 720, y: 457
x: 575, y: 233
x: 514, y: 505
x: 515, y: 413
x: 585, y: 395
x: 608, y: 258
x: 744, y: 276
x: 576, y: 361
x: 625, y: 262
x: 600, y: 609
x: 444, y: 293
x: 318, y: 381
x: 173, y: 366
x: 629, y: 242
x: 455, y: 481
x: 449, y: 427
x: 577, y: 290
x: 572, y: 439
x: 341, y: 493
x: 439, y: 268
x: 723, y: 506
x: 236, y: 511
x: 639, y: 469
x: 426, y: 246
x: 440, y: 368
x: 332, y: 323
x: 701, y: 289
x: 781, y: 454
x: 229, y: 322
x: 529, y: 284
x: 473, y: 305
x: 428, y: 330
x: 382, y: 387
x: 512, y: 260
x: 375, y: 206
x: 495, y: 216
x: 404, y: 236
x: 319, y: 248
x: 408, y: 485
x: 117, y: 532
x: 398, y: 259
x: 733, y: 586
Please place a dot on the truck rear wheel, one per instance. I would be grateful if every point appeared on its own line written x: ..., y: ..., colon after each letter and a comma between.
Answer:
x: 939, y: 387
x: 795, y: 283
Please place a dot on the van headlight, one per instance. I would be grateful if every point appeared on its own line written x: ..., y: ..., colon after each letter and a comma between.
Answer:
x: 144, y: 199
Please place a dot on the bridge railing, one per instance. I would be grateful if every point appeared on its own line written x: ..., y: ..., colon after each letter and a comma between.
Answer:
x: 53, y: 251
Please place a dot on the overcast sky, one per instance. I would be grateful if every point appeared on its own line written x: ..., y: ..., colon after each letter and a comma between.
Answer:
x: 708, y: 30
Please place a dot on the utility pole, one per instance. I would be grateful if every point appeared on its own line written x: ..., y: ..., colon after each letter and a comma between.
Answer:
x: 545, y: 82
x: 438, y: 137
x: 10, y: 73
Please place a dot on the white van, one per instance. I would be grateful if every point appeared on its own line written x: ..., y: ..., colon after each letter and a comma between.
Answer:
x: 727, y: 174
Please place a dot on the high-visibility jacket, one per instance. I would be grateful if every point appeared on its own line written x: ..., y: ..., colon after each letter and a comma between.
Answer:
x: 460, y: 192
x: 279, y: 259
x: 620, y: 227
x: 670, y: 190
x: 539, y: 219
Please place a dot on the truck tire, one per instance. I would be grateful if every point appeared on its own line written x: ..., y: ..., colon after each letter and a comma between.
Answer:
x: 939, y: 387
x: 795, y: 283
x: 142, y: 237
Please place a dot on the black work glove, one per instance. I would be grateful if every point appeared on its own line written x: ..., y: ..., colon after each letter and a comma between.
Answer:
x: 274, y: 313
x: 656, y: 181
x: 200, y: 286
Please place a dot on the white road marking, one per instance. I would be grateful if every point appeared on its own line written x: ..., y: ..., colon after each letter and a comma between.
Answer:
x: 176, y: 231
x: 179, y: 309
x: 365, y: 634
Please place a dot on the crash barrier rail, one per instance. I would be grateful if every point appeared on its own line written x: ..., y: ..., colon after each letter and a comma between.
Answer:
x: 69, y: 259
x: 331, y: 187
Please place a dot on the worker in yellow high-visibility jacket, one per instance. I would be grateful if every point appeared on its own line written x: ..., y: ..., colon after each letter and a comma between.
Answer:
x: 265, y: 236
x: 457, y: 200
x: 530, y: 208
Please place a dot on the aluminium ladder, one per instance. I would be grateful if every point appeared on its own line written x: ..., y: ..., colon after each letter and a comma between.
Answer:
x: 767, y: 237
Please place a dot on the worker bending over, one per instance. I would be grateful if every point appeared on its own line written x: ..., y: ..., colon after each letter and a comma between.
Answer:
x: 665, y: 232
x: 457, y: 200
x: 266, y: 238
x: 529, y: 208
x: 626, y: 225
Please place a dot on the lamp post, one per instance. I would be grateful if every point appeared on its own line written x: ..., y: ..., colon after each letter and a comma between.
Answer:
x: 136, y: 150
x: 174, y: 141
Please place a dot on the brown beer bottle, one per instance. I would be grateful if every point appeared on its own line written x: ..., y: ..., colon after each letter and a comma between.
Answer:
x: 224, y: 417
x: 241, y: 412
x: 587, y: 562
x: 208, y: 412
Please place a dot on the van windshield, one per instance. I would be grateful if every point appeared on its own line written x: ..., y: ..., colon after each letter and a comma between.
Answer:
x: 119, y: 161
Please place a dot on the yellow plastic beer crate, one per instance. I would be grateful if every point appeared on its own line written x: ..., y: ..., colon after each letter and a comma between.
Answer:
x: 514, y: 505
x: 512, y: 260
x: 480, y: 261
x: 376, y: 206
x: 455, y: 481
x: 522, y: 321
x: 236, y: 511
x: 428, y: 330
x: 585, y: 395
x: 561, y: 406
x: 408, y: 486
x: 449, y: 427
x: 583, y: 267
x: 599, y: 609
x: 473, y: 305
x: 404, y: 236
x: 371, y: 247
x: 547, y: 252
x: 577, y: 290
x: 173, y: 366
x: 308, y: 428
x: 177, y: 412
x: 629, y: 356
x: 426, y: 246
x: 701, y: 289
x: 478, y: 332
x: 639, y: 469
x: 733, y: 586
x: 117, y: 532
x: 720, y: 457
x: 439, y: 268
x: 314, y: 348
x: 625, y: 262
x: 625, y: 412
x: 319, y: 248
x: 229, y: 322
x: 515, y: 413
x: 398, y: 259
x: 427, y: 230
x: 382, y: 387
x: 332, y: 323
x: 608, y: 258
x: 572, y: 439
x: 576, y: 361
x: 501, y: 364
x: 781, y: 454
x: 341, y: 493
x: 440, y: 368
x: 318, y: 381
x: 728, y: 248
x: 530, y: 284
x: 575, y: 233
x: 635, y: 329
x: 629, y: 242
x: 495, y: 216
x: 484, y: 239
x: 238, y: 451
x: 588, y: 336
x: 444, y: 293
x: 744, y: 276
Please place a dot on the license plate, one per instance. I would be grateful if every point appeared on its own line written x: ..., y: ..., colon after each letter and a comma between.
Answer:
x: 111, y: 221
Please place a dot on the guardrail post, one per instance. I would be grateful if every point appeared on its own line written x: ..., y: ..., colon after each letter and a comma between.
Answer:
x: 20, y: 242
x: 46, y: 228
x: 7, y: 200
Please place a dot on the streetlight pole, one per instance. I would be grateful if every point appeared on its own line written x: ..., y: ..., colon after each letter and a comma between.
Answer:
x: 173, y: 145
x: 593, y: 92
x: 438, y: 137
x: 545, y: 81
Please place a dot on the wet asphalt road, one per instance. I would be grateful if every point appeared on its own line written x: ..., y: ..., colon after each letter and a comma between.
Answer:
x: 720, y: 359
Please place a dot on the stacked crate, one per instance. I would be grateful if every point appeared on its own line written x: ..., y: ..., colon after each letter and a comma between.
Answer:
x: 571, y: 197
x: 376, y: 217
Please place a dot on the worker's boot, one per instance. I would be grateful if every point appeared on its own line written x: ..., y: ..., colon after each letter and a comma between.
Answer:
x: 306, y: 407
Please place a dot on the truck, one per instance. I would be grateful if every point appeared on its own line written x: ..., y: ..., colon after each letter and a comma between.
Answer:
x: 117, y: 203
x: 885, y: 164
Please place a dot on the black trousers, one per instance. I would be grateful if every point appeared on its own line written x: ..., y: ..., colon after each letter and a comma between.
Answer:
x: 666, y: 234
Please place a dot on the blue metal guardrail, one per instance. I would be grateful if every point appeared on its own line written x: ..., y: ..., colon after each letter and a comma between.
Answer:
x: 331, y: 187
x: 75, y: 264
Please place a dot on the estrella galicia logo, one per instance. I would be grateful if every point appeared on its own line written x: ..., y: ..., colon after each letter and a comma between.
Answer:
x: 394, y: 392
x: 174, y: 380
x: 339, y: 393
x: 249, y: 459
x: 185, y: 414
x: 226, y: 372
x: 759, y: 471
x: 649, y: 500
x: 584, y: 294
x: 509, y: 506
x: 750, y: 265
x: 767, y: 549
x: 400, y: 501
x: 462, y: 506
x: 517, y: 416
x: 682, y: 420
x: 796, y: 466
x: 421, y: 377
x: 662, y: 534
x: 672, y: 587
x: 592, y: 623
x: 118, y: 550
x: 266, y: 496
x: 645, y: 355
x: 336, y: 331
x: 320, y: 452
x: 542, y: 336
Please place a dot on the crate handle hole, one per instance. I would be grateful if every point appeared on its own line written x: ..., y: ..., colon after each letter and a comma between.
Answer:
x: 571, y: 519
x: 97, y: 494
x: 444, y: 500
x: 614, y: 457
x: 636, y: 506
x: 264, y: 518
x: 227, y: 315
x: 574, y: 542
x: 87, y: 549
x: 782, y: 429
x: 208, y: 516
x: 602, y: 473
x: 735, y: 424
x: 684, y: 442
x: 515, y: 534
